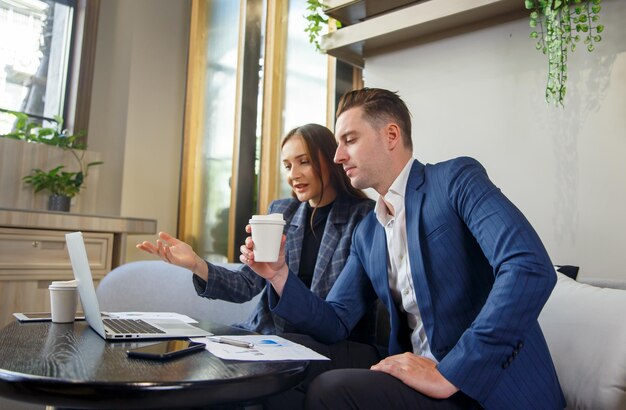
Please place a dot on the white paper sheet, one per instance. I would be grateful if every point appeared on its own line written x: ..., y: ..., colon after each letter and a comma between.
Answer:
x: 266, y: 348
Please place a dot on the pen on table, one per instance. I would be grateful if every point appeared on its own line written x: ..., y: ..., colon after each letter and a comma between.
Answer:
x: 232, y: 342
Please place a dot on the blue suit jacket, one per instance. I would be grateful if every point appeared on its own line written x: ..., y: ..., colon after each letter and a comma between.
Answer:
x: 481, y: 277
x: 242, y: 285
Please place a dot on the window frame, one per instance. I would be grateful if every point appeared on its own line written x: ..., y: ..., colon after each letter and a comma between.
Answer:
x: 79, y: 76
x: 81, y: 68
x: 273, y: 98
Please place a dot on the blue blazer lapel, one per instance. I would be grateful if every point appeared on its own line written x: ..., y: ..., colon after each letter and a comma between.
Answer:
x: 295, y: 237
x: 414, y: 198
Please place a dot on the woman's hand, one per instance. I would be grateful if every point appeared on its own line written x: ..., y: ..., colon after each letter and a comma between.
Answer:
x: 176, y: 252
x: 275, y: 272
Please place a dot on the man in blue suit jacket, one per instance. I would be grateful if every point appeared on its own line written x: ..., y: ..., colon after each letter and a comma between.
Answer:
x: 461, y: 271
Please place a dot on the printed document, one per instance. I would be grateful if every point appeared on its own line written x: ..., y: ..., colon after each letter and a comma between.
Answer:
x: 264, y: 348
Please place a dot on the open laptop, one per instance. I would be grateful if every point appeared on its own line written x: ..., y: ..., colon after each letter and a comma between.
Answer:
x: 116, y: 328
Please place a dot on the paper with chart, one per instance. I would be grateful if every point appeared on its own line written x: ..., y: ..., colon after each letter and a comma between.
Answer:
x: 266, y: 347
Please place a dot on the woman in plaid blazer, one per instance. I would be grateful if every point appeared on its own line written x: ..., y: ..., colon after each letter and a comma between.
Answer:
x: 320, y: 219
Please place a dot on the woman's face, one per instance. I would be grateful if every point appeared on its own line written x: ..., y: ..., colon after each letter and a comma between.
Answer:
x: 301, y: 174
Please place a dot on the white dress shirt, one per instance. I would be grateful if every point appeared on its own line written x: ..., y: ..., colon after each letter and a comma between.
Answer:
x: 398, y: 266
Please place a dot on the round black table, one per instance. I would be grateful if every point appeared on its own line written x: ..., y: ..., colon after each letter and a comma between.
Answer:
x: 69, y: 365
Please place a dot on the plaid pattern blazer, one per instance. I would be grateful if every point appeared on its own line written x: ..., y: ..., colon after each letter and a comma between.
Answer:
x: 242, y: 285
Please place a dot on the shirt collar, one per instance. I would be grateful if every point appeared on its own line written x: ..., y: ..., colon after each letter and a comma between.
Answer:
x: 395, y: 195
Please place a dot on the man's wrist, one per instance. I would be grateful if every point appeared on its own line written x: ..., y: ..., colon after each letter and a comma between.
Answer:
x: 279, y: 280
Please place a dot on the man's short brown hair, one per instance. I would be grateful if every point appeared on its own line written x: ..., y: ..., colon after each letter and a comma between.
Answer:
x: 380, y: 107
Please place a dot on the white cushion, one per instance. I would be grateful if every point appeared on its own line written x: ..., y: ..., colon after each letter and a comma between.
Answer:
x: 585, y: 327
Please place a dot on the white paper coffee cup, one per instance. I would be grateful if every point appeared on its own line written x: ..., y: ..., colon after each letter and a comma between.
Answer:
x: 267, y: 232
x: 63, y: 301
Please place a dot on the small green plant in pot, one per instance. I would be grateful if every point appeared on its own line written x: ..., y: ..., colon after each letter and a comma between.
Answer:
x: 62, y: 185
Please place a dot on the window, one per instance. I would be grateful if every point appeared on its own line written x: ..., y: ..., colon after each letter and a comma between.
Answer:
x: 35, y: 45
x: 252, y: 76
x: 306, y: 75
x: 221, y: 133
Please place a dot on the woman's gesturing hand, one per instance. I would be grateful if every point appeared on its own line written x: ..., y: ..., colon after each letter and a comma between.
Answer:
x: 176, y: 252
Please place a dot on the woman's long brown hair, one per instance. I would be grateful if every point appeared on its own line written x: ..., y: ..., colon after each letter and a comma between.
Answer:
x: 321, y: 146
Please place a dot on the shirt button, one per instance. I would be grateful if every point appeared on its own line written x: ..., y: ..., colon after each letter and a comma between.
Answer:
x: 405, y: 291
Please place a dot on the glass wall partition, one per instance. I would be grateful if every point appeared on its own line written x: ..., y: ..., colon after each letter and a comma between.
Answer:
x: 252, y: 76
x: 305, y: 78
x: 220, y: 123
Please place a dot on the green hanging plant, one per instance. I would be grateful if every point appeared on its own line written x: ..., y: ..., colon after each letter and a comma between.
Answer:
x: 316, y: 21
x: 558, y: 25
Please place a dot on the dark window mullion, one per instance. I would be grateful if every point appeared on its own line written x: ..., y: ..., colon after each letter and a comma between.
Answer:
x: 246, y: 182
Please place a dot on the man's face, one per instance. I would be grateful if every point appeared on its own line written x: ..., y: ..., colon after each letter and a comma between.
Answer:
x: 360, y: 150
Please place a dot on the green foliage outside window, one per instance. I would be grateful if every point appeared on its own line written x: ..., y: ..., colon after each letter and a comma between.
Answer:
x: 316, y: 22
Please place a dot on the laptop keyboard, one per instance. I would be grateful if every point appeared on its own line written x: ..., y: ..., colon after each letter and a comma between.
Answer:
x: 130, y: 326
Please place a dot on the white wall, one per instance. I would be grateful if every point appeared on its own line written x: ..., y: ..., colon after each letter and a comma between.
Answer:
x: 137, y: 109
x: 482, y: 94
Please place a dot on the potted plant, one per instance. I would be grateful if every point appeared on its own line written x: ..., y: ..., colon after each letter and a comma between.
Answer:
x: 61, y: 184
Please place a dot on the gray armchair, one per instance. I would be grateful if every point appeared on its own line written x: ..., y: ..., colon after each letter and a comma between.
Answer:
x: 156, y: 286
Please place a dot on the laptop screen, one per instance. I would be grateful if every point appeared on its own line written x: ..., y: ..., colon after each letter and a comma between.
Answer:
x: 84, y: 279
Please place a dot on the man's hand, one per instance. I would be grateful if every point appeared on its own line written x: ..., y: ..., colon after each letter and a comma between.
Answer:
x: 418, y: 373
x: 176, y: 252
x: 275, y: 272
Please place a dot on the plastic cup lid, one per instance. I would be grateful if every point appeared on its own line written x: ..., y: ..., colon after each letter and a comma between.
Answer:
x: 68, y: 284
x: 267, y: 219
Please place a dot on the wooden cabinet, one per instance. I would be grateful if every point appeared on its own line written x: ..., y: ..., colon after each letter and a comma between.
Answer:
x: 38, y: 254
x: 31, y: 259
x: 33, y: 253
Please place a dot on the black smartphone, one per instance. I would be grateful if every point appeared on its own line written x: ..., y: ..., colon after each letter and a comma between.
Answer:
x: 167, y: 349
